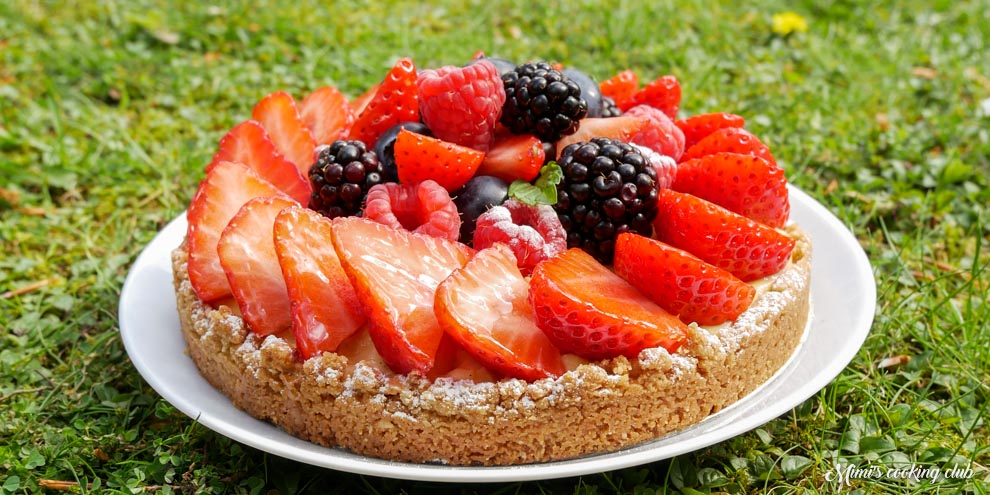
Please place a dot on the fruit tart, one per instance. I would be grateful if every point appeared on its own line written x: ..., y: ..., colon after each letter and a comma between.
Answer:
x: 490, y: 264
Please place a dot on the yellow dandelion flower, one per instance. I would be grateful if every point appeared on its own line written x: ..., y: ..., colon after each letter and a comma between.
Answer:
x: 785, y: 23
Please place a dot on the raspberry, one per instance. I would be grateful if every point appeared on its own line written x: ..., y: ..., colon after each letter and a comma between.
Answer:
x: 424, y: 208
x: 462, y: 104
x: 660, y: 133
x: 666, y: 166
x: 534, y: 233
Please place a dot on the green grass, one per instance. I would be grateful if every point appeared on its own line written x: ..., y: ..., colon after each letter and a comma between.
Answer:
x: 110, y: 110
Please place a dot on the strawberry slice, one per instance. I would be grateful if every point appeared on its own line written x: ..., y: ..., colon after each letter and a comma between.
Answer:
x: 394, y: 101
x: 325, y: 308
x: 361, y: 102
x: 586, y: 309
x: 621, y: 88
x: 247, y: 255
x: 395, y: 273
x: 663, y: 93
x: 622, y: 128
x: 419, y: 158
x: 697, y: 127
x: 680, y: 282
x: 327, y: 115
x: 248, y: 143
x: 279, y: 115
x: 514, y: 156
x: 746, y: 248
x: 483, y: 307
x: 225, y: 189
x: 745, y: 184
x: 731, y: 140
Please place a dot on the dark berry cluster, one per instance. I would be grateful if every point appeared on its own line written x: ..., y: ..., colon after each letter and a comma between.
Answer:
x: 609, y: 108
x: 341, y: 177
x: 542, y: 101
x: 608, y: 188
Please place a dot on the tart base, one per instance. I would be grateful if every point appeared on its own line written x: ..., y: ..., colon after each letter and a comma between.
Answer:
x: 596, y: 407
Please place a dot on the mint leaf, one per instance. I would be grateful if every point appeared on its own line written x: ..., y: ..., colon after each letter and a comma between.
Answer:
x: 543, y: 191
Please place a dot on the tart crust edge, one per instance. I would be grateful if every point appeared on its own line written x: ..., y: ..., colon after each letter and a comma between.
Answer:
x: 597, y: 407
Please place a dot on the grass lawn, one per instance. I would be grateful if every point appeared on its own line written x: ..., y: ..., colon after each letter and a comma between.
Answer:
x: 109, y: 110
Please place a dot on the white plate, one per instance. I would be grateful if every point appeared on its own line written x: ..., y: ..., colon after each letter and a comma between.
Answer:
x: 844, y: 299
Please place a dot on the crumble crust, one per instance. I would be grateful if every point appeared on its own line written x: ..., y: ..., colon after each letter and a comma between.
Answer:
x: 595, y: 407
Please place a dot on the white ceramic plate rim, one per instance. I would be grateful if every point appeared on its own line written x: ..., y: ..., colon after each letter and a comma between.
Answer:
x: 844, y: 299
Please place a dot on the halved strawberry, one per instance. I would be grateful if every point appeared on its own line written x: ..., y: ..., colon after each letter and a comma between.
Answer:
x: 247, y: 255
x: 621, y: 88
x: 663, y: 93
x: 746, y: 248
x: 247, y: 143
x: 745, y: 184
x: 622, y: 128
x: 327, y: 115
x: 586, y: 309
x: 514, y: 156
x: 394, y: 101
x: 680, y: 282
x: 225, y: 189
x: 395, y: 273
x: 279, y: 115
x: 325, y: 307
x: 731, y: 140
x: 419, y: 158
x: 697, y: 127
x: 361, y: 102
x: 484, y: 307
x: 454, y: 362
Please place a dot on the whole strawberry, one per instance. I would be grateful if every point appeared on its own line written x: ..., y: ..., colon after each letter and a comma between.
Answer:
x: 462, y: 104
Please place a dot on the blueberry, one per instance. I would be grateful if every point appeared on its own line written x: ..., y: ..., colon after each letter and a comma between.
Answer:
x: 385, y: 147
x: 589, y: 91
x: 501, y: 64
x: 476, y: 197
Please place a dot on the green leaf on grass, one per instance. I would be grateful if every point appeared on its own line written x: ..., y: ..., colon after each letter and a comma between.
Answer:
x: 876, y: 444
x: 711, y: 478
x: 794, y: 465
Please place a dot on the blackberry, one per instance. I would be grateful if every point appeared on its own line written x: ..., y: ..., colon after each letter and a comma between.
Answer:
x: 608, y: 188
x: 609, y: 108
x: 341, y: 177
x: 542, y: 101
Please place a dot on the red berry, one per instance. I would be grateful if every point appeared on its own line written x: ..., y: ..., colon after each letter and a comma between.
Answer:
x: 248, y: 144
x: 327, y: 114
x: 660, y: 133
x: 533, y: 232
x: 395, y: 274
x: 745, y: 184
x: 696, y: 127
x: 419, y: 158
x: 663, y: 93
x: 461, y: 105
x: 393, y: 101
x: 621, y: 88
x: 743, y: 247
x: 361, y: 102
x: 680, y: 282
x: 278, y: 114
x: 225, y: 189
x: 247, y: 254
x: 665, y: 166
x: 325, y: 308
x: 586, y: 309
x: 731, y: 140
x: 421, y: 207
x: 514, y: 156
x: 484, y: 307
